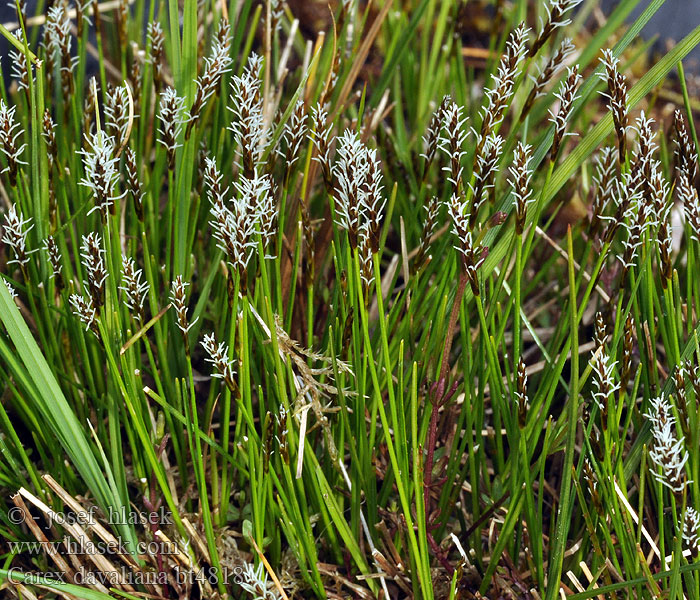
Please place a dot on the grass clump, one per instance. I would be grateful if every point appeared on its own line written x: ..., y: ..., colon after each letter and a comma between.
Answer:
x: 351, y: 312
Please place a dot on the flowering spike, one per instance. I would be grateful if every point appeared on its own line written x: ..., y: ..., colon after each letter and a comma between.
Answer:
x: 10, y: 130
x: 556, y: 18
x: 214, y: 68
x: 521, y: 171
x: 84, y: 309
x: 617, y: 100
x: 566, y: 97
x: 101, y: 174
x: 15, y: 235
x: 218, y: 356
x: 172, y: 117
x: 134, y: 289
x: 668, y: 452
x: 248, y: 124
x: 91, y: 252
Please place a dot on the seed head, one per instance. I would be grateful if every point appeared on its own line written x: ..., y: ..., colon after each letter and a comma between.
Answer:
x: 252, y: 211
x: 358, y: 188
x: 276, y: 11
x: 600, y: 330
x: 686, y: 153
x: 212, y: 180
x: 688, y: 195
x: 431, y: 138
x: 432, y: 210
x: 49, y: 134
x: 485, y: 168
x: 605, y: 187
x: 643, y: 162
x: 58, y: 33
x: 258, y: 198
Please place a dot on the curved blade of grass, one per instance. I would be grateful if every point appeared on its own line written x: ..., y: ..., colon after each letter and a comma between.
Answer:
x: 54, y: 409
